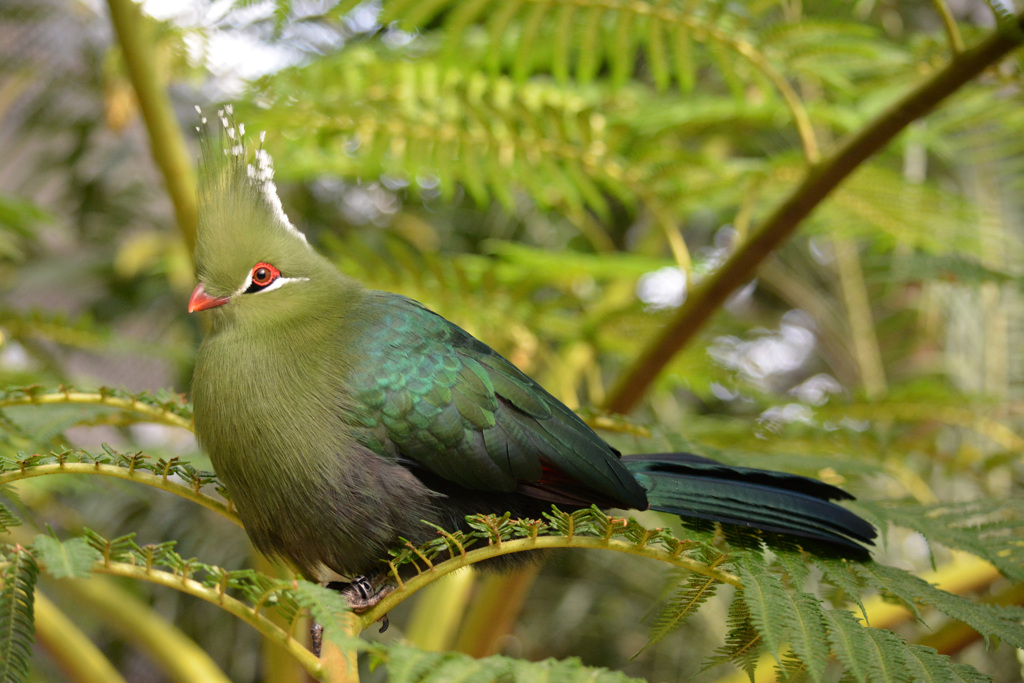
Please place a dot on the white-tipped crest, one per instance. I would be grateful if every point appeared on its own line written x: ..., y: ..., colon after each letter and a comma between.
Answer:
x: 261, y: 172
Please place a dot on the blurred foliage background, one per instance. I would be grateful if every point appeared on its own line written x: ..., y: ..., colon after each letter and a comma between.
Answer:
x: 556, y: 178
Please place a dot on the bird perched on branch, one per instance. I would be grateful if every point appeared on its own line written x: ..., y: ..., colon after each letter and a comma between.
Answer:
x: 341, y: 418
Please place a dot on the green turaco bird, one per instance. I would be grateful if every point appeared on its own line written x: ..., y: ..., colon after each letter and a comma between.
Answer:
x: 342, y: 418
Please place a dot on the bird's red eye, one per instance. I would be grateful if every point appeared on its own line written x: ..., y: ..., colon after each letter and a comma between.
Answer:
x: 263, y: 274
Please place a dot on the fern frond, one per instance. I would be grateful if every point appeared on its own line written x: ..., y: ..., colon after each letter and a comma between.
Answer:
x: 416, y: 119
x: 872, y: 654
x: 990, y: 528
x: 925, y: 664
x: 743, y: 642
x: 782, y: 616
x: 406, y: 664
x: 868, y: 654
x: 82, y: 332
x: 1005, y: 623
x: 17, y: 595
x: 687, y: 599
x: 8, y: 518
x: 71, y: 559
x: 806, y: 629
x: 764, y: 596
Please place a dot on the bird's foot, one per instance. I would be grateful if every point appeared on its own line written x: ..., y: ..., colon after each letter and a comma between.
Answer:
x: 363, y: 594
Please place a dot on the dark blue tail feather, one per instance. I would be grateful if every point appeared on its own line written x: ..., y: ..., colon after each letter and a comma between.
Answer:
x: 693, y: 486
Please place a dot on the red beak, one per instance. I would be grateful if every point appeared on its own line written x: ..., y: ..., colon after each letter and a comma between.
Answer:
x: 200, y: 300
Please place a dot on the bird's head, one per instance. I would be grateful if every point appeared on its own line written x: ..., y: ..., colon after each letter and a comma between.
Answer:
x: 250, y: 260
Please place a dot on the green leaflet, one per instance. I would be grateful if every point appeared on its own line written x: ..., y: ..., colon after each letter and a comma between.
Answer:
x: 743, y: 643
x: 686, y: 600
x: 72, y: 559
x: 988, y: 528
x: 17, y: 598
x: 988, y: 620
x: 765, y: 596
x: 406, y: 664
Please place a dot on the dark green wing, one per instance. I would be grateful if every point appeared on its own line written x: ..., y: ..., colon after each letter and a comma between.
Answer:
x: 428, y: 392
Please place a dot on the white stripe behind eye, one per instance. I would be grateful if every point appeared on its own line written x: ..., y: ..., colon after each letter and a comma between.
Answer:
x: 276, y: 284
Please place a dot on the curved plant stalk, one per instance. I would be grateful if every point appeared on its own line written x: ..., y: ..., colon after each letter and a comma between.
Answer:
x: 250, y: 615
x: 127, y: 473
x: 179, y: 657
x: 858, y: 314
x: 276, y: 664
x: 494, y: 612
x: 819, y: 182
x: 150, y: 411
x: 135, y: 36
x: 468, y: 557
x: 340, y: 665
x: 434, y: 622
x: 956, y: 41
x: 78, y: 656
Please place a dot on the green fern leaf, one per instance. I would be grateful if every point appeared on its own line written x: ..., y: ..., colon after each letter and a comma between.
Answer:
x: 71, y: 559
x: 743, y: 642
x: 406, y: 664
x: 527, y: 44
x: 17, y: 600
x: 589, y: 46
x: 989, y: 528
x: 806, y: 629
x: 795, y: 565
x: 869, y: 654
x: 928, y: 666
x: 562, y: 43
x: 419, y: 12
x: 8, y: 518
x: 766, y: 600
x: 686, y: 601
x: 657, y: 55
x: 988, y: 620
x: 622, y: 54
x: 839, y: 574
x: 682, y: 52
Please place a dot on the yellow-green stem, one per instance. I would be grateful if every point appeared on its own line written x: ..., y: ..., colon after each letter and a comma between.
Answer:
x: 523, y: 544
x: 178, y: 656
x: 118, y: 472
x: 858, y: 315
x: 138, y: 45
x: 494, y: 612
x: 434, y: 622
x: 77, y: 656
x: 269, y: 630
x: 151, y: 412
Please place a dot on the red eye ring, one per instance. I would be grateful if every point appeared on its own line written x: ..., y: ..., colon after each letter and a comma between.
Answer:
x: 263, y: 274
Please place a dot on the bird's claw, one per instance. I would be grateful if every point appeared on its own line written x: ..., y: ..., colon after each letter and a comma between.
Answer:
x: 363, y: 595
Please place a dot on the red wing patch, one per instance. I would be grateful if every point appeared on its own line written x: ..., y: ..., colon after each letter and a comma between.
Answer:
x: 556, y: 486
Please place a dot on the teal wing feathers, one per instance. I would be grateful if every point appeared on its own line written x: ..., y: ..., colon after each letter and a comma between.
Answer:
x: 429, y: 393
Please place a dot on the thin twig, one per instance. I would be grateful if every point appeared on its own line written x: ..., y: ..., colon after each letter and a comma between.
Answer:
x: 135, y: 36
x: 821, y: 179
